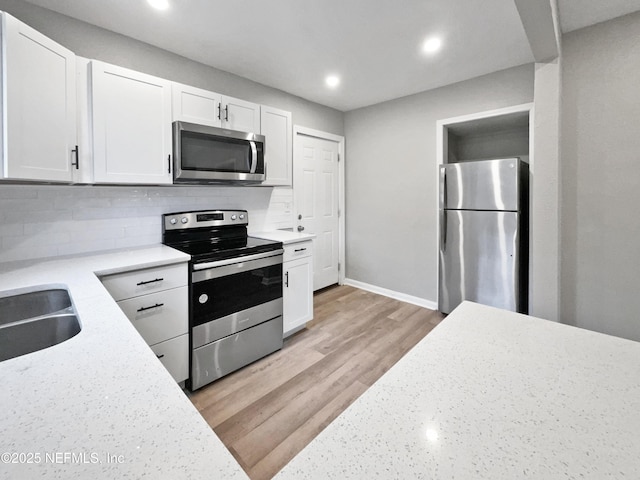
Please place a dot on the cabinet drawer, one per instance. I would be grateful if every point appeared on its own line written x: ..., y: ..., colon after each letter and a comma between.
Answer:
x: 159, y: 316
x: 298, y: 250
x: 149, y: 280
x: 174, y: 355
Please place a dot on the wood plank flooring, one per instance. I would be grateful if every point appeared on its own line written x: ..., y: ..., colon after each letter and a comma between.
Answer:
x: 269, y: 411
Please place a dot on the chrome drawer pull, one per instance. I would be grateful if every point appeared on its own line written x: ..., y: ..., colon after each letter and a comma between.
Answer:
x: 160, y: 356
x: 299, y: 249
x: 150, y: 281
x: 157, y: 305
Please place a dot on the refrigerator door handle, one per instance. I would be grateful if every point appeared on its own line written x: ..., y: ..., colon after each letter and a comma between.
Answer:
x: 443, y: 206
x: 443, y: 187
x: 443, y: 230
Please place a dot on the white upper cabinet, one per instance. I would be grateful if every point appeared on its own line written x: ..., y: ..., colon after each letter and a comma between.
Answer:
x: 194, y: 105
x: 84, y: 171
x: 131, y: 114
x: 240, y: 115
x: 39, y: 103
x: 276, y: 127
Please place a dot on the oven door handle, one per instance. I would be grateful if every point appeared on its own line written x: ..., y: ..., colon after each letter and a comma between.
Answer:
x: 254, y: 157
x: 231, y: 261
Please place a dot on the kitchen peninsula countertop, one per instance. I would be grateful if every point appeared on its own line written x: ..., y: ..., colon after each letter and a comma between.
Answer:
x: 490, y: 394
x: 100, y: 405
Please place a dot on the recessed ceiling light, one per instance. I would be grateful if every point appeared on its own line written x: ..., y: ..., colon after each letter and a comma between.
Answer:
x: 431, y: 45
x: 159, y: 4
x: 332, y: 81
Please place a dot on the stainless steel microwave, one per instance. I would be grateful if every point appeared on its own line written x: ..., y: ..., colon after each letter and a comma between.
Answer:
x: 205, y: 154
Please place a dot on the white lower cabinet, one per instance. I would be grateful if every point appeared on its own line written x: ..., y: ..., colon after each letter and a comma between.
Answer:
x: 158, y: 316
x: 155, y: 300
x: 171, y: 354
x: 297, y: 287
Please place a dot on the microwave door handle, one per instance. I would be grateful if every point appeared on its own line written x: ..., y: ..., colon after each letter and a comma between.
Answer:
x: 254, y: 157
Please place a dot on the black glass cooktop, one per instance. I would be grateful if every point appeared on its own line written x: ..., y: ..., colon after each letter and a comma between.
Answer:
x: 213, y: 249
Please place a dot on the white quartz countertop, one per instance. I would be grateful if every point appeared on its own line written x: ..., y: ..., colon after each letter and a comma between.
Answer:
x: 100, y: 405
x: 493, y: 395
x: 283, y: 236
x: 488, y: 394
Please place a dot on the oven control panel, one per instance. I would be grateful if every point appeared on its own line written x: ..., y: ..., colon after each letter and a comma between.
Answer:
x: 205, y: 218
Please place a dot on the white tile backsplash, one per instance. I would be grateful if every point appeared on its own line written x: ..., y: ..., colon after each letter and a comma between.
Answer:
x: 49, y: 220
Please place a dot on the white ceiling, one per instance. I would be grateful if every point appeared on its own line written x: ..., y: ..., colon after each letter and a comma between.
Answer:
x: 373, y: 45
x: 576, y: 14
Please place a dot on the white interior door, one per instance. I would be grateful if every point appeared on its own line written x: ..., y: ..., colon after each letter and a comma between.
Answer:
x: 316, y: 202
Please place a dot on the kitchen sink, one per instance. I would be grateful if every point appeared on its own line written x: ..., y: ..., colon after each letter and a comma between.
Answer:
x: 35, y: 320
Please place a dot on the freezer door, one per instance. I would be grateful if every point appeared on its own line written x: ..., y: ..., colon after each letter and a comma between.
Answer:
x: 479, y: 259
x: 481, y: 185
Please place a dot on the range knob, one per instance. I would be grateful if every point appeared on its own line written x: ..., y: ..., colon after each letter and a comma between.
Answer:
x: 234, y: 216
x: 173, y: 221
x: 184, y: 220
x: 242, y: 216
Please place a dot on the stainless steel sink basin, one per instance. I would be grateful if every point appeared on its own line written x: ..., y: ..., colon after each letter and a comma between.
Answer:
x: 33, y: 304
x: 36, y: 320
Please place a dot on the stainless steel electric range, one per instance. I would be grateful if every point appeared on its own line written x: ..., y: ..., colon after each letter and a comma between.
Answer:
x: 235, y: 291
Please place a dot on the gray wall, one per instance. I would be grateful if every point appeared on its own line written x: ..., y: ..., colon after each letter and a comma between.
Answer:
x: 94, y: 42
x: 391, y: 178
x: 600, y: 281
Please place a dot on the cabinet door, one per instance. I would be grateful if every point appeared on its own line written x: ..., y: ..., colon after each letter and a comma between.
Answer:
x: 297, y: 293
x: 174, y: 355
x: 195, y: 105
x: 40, y: 105
x: 131, y: 126
x: 275, y: 125
x: 83, y: 171
x: 240, y: 115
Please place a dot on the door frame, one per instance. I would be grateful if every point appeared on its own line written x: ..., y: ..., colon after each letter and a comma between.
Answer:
x: 298, y: 131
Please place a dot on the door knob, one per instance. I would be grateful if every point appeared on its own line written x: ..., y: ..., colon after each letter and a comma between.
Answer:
x: 300, y: 228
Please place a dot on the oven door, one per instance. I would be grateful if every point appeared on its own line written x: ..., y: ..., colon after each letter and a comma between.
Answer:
x: 215, y: 155
x: 231, y: 295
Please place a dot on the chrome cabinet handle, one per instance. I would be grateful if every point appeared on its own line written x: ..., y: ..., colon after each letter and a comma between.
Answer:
x: 144, y: 309
x: 150, y: 281
x: 160, y: 356
x: 299, y: 249
x: 226, y: 113
x: 219, y: 114
x: 286, y: 281
x: 169, y: 163
x: 300, y: 228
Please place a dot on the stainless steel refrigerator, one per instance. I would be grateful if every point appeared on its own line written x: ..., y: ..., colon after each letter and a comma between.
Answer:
x: 484, y: 234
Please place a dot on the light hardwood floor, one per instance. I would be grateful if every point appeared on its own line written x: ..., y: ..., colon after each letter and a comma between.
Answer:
x: 270, y: 410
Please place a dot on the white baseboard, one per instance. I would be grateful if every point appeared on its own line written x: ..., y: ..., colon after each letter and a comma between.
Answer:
x: 403, y: 297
